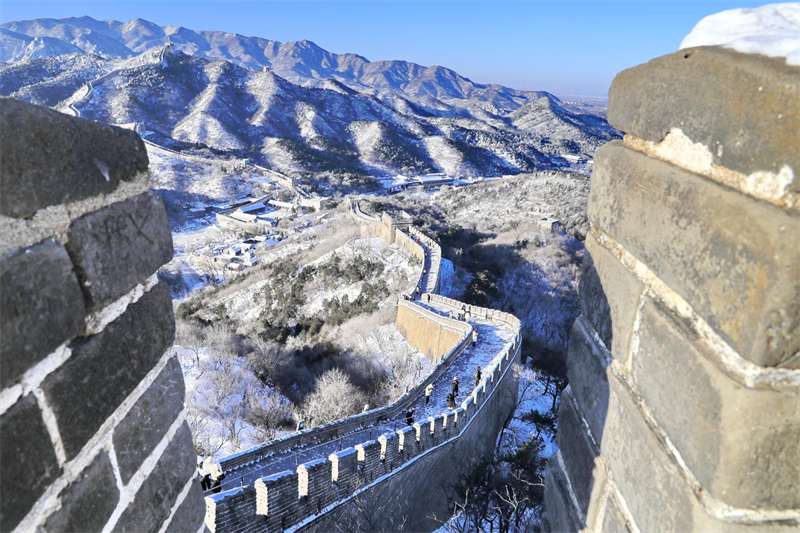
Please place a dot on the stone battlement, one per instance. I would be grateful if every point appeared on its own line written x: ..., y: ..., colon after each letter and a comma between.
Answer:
x: 92, y: 425
x: 684, y: 367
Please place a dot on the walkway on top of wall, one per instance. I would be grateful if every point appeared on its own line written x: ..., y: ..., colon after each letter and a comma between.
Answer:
x: 494, y: 338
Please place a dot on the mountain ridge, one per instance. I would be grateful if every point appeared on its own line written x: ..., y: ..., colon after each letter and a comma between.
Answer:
x: 308, y: 111
x: 298, y: 61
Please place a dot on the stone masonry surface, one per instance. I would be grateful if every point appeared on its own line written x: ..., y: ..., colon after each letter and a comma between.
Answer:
x: 44, y: 310
x: 117, y: 247
x: 683, y: 409
x: 747, y: 116
x: 27, y: 461
x: 50, y: 158
x: 92, y: 428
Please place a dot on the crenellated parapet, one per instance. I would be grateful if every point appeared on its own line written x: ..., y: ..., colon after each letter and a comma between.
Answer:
x: 290, y: 500
x: 683, y: 409
x: 92, y: 425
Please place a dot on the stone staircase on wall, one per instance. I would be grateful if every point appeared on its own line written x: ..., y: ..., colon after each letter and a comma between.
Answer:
x: 683, y: 409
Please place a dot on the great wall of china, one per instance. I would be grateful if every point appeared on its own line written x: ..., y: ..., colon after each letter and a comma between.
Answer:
x: 684, y: 367
x: 311, y: 479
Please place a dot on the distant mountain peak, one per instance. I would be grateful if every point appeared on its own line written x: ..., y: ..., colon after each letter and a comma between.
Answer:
x: 294, y: 105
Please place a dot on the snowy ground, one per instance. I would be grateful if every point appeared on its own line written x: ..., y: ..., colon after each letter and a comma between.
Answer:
x: 493, y: 339
x: 215, y: 412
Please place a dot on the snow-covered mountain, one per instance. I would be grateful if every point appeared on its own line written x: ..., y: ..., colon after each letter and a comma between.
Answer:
x: 301, y: 62
x: 291, y: 105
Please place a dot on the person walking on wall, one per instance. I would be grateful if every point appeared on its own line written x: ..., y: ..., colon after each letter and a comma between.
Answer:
x: 451, y: 401
x: 474, y: 337
x: 410, y: 415
x: 477, y: 376
x: 428, y: 392
x: 455, y: 386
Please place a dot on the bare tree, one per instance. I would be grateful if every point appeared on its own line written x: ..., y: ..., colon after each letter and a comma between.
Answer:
x: 334, y: 397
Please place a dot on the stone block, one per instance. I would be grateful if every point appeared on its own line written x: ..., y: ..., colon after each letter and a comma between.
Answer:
x: 608, y: 294
x: 344, y: 472
x: 313, y: 475
x: 438, y: 429
x: 41, y: 306
x: 459, y: 420
x: 106, y: 367
x: 369, y: 460
x: 447, y: 428
x: 732, y: 258
x: 744, y: 107
x: 422, y: 432
x: 586, y: 369
x: 468, y: 406
x: 233, y: 510
x: 28, y: 463
x: 117, y: 247
x: 740, y: 443
x: 189, y: 515
x: 50, y: 158
x: 407, y: 442
x: 389, y: 450
x: 560, y: 515
x: 87, y: 502
x: 153, y: 502
x: 613, y: 519
x: 275, y: 492
x: 577, y: 451
x: 149, y: 419
x: 316, y: 486
x: 643, y: 472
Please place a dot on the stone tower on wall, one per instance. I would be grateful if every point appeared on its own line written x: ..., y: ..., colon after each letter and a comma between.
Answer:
x: 92, y: 426
x: 683, y: 410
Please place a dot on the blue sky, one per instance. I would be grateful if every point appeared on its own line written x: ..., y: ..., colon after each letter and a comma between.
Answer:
x: 566, y: 47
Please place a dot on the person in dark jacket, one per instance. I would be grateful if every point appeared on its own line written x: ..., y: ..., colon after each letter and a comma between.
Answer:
x: 410, y: 415
x: 451, y: 401
x: 455, y: 386
x: 217, y: 486
x: 477, y: 376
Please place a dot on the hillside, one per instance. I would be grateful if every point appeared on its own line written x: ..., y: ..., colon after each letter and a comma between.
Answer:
x: 293, y: 106
x: 301, y: 62
x: 321, y: 302
x: 506, y: 257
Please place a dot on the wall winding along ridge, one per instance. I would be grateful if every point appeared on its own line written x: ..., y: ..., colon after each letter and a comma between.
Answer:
x: 387, y: 479
x: 683, y: 409
x: 92, y: 428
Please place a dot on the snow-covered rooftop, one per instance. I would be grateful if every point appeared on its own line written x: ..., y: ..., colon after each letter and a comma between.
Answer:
x: 772, y: 30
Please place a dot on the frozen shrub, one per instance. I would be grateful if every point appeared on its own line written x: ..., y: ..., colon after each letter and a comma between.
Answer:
x: 334, y: 397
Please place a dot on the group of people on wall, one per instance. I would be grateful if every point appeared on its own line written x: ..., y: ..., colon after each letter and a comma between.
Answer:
x: 452, y: 396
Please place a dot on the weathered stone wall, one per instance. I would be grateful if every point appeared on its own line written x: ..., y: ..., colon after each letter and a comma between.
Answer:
x: 92, y: 429
x: 418, y: 495
x: 427, y: 332
x: 386, y: 481
x: 683, y: 409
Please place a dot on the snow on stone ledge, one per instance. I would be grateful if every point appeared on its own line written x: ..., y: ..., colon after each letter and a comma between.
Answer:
x: 772, y: 30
